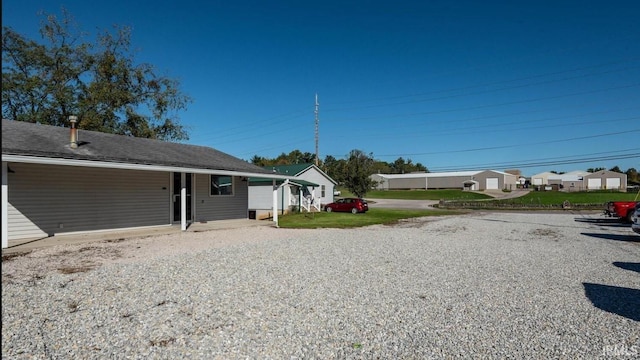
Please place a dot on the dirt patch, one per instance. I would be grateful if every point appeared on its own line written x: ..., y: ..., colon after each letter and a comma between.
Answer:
x: 545, y: 232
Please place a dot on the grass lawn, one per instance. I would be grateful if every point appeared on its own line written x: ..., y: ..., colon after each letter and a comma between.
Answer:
x: 349, y: 220
x: 533, y: 197
x: 425, y: 195
x: 556, y: 197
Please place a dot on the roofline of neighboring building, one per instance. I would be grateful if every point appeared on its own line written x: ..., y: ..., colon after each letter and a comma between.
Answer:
x: 130, y: 166
x: 323, y: 173
x: 304, y: 170
x: 430, y: 174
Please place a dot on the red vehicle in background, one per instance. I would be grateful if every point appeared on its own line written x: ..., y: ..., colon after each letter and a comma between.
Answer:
x: 353, y: 205
x: 620, y: 209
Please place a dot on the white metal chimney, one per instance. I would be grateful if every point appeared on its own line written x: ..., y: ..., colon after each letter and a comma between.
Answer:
x: 74, y: 132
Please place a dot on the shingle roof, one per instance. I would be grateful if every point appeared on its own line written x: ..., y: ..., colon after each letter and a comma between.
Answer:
x: 267, y: 182
x: 292, y: 170
x: 22, y: 138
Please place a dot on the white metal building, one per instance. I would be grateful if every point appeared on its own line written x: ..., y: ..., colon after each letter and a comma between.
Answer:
x: 466, y: 180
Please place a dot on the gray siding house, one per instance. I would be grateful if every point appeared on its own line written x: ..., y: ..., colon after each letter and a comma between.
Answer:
x: 52, y: 184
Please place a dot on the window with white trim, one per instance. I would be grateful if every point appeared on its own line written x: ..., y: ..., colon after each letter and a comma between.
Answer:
x: 321, y: 190
x: 221, y: 185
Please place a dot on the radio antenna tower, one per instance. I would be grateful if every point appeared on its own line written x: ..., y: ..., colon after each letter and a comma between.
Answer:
x: 316, y: 113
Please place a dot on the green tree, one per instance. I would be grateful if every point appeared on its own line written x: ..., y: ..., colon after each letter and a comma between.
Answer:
x: 358, y: 169
x: 259, y: 161
x: 632, y: 175
x: 400, y: 166
x: 98, y: 82
x: 335, y: 168
x: 381, y: 167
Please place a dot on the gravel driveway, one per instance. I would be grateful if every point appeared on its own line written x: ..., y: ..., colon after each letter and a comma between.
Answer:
x: 490, y: 285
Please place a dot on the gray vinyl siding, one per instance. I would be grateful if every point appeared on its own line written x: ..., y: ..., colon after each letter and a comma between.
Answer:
x: 20, y: 227
x: 211, y: 208
x: 59, y: 199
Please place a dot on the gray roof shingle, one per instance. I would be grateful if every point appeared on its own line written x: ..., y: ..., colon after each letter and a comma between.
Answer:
x: 22, y: 138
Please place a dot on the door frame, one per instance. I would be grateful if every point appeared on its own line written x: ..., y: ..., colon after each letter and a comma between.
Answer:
x: 190, y: 186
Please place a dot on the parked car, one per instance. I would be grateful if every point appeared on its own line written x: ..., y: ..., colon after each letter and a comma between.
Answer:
x: 635, y: 224
x: 620, y: 209
x: 336, y: 193
x: 353, y: 205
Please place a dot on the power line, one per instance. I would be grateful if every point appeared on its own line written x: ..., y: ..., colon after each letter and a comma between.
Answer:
x: 478, y: 92
x: 513, y: 146
x: 478, y: 107
x: 499, y: 128
x: 534, y: 163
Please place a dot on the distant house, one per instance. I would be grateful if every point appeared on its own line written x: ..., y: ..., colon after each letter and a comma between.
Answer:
x: 464, y: 180
x: 56, y: 180
x: 307, y: 190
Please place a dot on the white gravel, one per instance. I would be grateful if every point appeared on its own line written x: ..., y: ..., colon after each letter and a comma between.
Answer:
x: 490, y: 285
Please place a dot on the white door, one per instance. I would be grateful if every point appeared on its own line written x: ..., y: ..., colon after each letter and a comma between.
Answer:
x: 492, y: 184
x: 613, y: 183
x: 594, y: 184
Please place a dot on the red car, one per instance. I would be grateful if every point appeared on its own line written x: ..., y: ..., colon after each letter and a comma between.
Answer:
x: 353, y: 205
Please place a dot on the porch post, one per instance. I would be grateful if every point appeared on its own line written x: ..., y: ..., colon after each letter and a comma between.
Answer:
x: 5, y: 206
x: 183, y: 201
x: 313, y: 198
x: 275, y: 202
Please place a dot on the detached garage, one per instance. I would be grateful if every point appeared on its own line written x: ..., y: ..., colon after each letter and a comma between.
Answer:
x: 606, y: 180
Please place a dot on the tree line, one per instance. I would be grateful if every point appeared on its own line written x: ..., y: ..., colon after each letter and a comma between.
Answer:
x: 99, y: 82
x: 352, y: 172
x: 355, y: 170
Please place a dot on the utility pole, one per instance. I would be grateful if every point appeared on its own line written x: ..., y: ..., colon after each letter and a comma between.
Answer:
x: 316, y: 112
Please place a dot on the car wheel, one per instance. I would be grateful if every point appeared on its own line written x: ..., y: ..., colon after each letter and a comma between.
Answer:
x: 629, y: 217
x: 329, y: 209
x: 354, y: 211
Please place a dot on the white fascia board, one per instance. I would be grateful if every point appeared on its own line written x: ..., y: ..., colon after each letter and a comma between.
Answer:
x: 129, y: 166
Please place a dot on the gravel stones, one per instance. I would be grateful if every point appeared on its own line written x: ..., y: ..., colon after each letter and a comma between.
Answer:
x: 491, y: 285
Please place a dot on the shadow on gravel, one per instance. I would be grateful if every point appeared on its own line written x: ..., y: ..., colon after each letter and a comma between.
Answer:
x: 603, y: 222
x: 616, y: 237
x: 618, y: 300
x: 628, y: 266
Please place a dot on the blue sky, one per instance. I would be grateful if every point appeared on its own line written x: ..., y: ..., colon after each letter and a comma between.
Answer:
x: 454, y: 85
